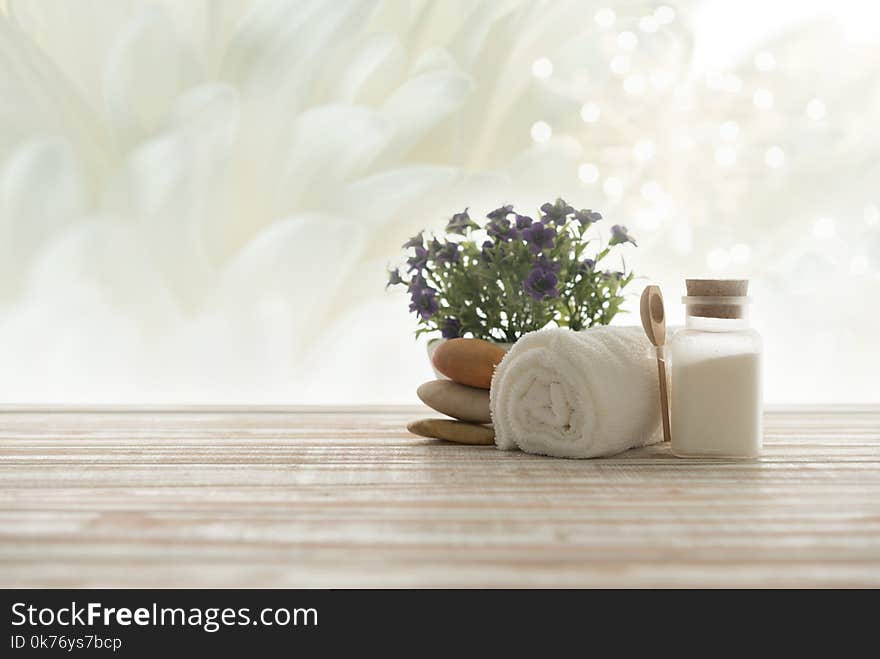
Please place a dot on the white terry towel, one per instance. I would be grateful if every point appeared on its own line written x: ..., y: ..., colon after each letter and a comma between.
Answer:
x: 577, y: 394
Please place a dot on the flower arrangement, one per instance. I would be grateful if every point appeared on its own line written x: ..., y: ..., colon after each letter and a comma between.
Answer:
x: 514, y: 275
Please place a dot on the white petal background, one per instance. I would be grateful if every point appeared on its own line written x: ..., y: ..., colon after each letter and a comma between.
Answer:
x: 198, y: 198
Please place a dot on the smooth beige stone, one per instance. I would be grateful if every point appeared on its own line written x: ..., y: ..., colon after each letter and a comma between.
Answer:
x: 453, y: 431
x: 456, y: 400
x: 468, y: 361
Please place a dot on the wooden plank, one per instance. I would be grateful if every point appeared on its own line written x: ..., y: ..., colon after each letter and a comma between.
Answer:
x: 324, y: 497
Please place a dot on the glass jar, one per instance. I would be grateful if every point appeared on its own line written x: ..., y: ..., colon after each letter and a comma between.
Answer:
x: 716, y: 392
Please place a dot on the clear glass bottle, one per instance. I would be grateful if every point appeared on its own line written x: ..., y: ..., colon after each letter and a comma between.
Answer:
x: 716, y: 393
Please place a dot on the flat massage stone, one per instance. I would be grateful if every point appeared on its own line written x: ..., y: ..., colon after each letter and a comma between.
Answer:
x: 456, y: 400
x: 459, y: 432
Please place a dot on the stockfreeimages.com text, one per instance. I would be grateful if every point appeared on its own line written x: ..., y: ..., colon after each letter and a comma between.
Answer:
x: 210, y: 619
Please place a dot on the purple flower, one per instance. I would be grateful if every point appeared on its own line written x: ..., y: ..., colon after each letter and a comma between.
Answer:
x: 586, y: 266
x: 620, y: 236
x: 394, y: 278
x: 418, y: 261
x: 556, y: 213
x: 501, y: 229
x: 539, y: 236
x: 443, y: 252
x: 451, y: 328
x: 523, y: 222
x: 424, y: 302
x: 541, y: 283
x: 500, y: 213
x: 417, y: 283
x: 587, y: 217
x: 415, y: 241
x: 448, y: 253
x: 461, y: 222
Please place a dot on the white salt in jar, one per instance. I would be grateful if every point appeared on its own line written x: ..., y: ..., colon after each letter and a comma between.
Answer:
x: 716, y: 399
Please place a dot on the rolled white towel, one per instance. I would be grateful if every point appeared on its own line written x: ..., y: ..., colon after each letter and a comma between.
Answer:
x: 577, y: 394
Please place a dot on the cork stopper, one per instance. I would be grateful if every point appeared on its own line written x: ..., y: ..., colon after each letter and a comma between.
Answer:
x: 722, y: 289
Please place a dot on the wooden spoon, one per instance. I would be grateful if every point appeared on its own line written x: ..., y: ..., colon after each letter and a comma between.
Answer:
x: 654, y: 322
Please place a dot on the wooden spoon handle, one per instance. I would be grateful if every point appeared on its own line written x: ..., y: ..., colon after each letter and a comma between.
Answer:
x: 664, y: 394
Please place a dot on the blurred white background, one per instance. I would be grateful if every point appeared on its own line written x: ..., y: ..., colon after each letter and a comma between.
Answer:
x: 198, y: 198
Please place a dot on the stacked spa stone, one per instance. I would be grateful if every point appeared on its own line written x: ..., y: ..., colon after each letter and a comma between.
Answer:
x: 469, y: 365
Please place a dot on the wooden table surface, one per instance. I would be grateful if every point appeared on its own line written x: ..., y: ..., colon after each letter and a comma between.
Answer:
x: 348, y: 498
